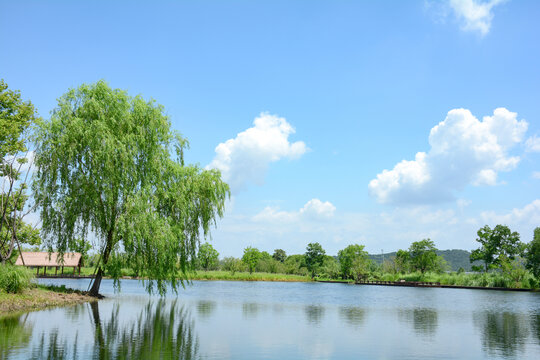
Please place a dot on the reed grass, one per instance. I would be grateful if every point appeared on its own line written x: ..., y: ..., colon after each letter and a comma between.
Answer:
x: 14, y: 279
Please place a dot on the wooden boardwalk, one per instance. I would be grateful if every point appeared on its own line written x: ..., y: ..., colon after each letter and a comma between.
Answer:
x: 424, y: 284
x: 400, y: 283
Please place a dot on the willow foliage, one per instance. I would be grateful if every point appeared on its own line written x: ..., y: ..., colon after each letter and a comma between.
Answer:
x: 104, y: 167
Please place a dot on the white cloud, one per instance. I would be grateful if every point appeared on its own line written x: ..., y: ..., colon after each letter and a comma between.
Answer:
x: 463, y: 151
x: 533, y: 144
x: 314, y: 209
x: 245, y: 158
x: 394, y: 229
x: 273, y: 214
x: 536, y: 175
x: 528, y: 215
x: 293, y: 230
x: 474, y: 15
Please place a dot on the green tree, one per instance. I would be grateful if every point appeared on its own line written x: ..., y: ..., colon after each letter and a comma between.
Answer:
x: 314, y: 258
x: 280, y: 255
x: 532, y: 254
x: 265, y: 256
x: 496, y: 244
x: 330, y: 268
x: 354, y: 262
x: 423, y: 255
x: 17, y: 118
x: 83, y: 247
x: 207, y: 256
x: 402, y: 261
x: 232, y: 264
x: 104, y: 167
x: 251, y: 258
x: 296, y: 264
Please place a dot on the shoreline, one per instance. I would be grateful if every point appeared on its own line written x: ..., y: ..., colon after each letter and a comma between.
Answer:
x: 39, y: 298
x: 271, y: 277
x: 442, y: 286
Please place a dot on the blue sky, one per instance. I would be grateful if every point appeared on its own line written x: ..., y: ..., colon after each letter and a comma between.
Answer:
x: 341, y: 90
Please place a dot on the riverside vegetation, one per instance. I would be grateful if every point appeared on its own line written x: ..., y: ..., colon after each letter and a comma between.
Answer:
x: 19, y: 293
x: 511, y: 264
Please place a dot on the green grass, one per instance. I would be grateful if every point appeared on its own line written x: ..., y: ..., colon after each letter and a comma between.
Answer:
x: 39, y: 297
x: 246, y: 276
x: 223, y: 275
x: 14, y: 279
x: 463, y: 279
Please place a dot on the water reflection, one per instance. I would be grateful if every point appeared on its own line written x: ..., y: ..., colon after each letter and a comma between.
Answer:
x: 352, y: 315
x: 424, y: 321
x: 282, y: 321
x: 535, y: 326
x: 51, y: 346
x: 250, y: 310
x: 205, y: 308
x: 160, y: 331
x: 15, y: 333
x: 314, y: 313
x: 502, y: 333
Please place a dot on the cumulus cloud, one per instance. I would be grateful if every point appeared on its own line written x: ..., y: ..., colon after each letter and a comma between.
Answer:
x: 314, y: 209
x: 533, y: 144
x: 463, y: 151
x: 536, y: 175
x: 395, y: 229
x: 245, y: 158
x: 474, y: 15
x: 529, y: 214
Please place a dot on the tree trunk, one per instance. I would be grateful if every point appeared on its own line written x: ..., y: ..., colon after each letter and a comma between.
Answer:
x: 94, y: 291
x: 99, y: 336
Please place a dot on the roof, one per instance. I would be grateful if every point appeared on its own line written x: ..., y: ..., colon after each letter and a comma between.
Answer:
x: 43, y: 259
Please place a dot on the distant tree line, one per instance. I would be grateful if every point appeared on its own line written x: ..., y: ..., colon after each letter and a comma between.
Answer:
x: 500, y: 252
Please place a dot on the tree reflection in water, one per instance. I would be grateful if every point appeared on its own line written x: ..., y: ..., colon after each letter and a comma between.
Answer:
x: 205, y: 308
x: 15, y: 334
x: 250, y: 310
x: 424, y: 321
x: 352, y: 315
x: 535, y: 326
x: 502, y: 333
x: 160, y: 332
x: 51, y: 347
x: 314, y: 313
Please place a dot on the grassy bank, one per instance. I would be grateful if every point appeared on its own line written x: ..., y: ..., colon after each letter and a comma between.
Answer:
x: 487, y: 280
x: 223, y: 275
x: 40, y: 297
x: 245, y: 276
x: 492, y: 279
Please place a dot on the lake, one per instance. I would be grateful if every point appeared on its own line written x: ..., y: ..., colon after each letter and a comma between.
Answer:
x: 272, y: 320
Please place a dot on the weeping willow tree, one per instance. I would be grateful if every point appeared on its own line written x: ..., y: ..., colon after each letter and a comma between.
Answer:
x: 17, y: 118
x: 105, y: 170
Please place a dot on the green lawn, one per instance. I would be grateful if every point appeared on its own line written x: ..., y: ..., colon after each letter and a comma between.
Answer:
x: 223, y: 275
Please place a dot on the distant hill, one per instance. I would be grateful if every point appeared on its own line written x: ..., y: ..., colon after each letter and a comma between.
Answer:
x: 456, y: 258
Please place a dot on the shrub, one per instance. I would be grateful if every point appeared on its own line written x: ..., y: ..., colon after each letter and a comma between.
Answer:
x: 14, y: 279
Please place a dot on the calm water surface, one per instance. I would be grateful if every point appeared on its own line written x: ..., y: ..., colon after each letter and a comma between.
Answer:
x: 263, y: 320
